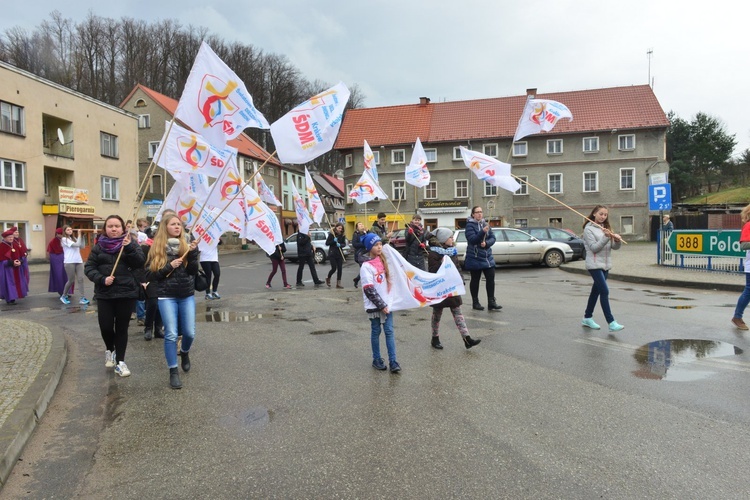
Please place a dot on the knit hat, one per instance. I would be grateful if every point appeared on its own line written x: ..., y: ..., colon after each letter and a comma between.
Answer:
x: 442, y: 234
x: 369, y: 240
x: 58, y: 230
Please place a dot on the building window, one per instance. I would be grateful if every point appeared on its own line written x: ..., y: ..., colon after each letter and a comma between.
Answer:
x: 376, y: 155
x: 271, y: 171
x: 144, y: 121
x: 109, y: 145
x: 489, y: 189
x: 398, y: 156
x: 627, y: 178
x: 140, y: 103
x: 156, y: 181
x: 520, y: 148
x: 590, y: 182
x: 110, y: 188
x: 524, y: 189
x: 430, y: 191
x: 431, y: 155
x: 287, y: 204
x: 285, y: 179
x: 457, y: 154
x: 590, y: 144
x: 348, y: 161
x: 490, y: 150
x: 626, y: 142
x: 554, y: 183
x: 11, y: 118
x: 461, y: 188
x: 521, y: 223
x: 13, y: 175
x: 398, y: 190
x: 554, y: 147
x: 153, y: 148
x: 349, y: 188
x: 626, y: 224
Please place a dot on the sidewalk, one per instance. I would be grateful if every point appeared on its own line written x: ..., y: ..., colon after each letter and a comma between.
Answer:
x: 32, y: 357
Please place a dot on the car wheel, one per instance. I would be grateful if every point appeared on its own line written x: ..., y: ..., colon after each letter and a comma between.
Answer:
x: 320, y: 256
x: 554, y: 258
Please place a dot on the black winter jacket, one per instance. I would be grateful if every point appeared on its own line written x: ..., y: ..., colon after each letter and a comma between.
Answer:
x: 100, y: 264
x: 335, y: 251
x: 434, y: 261
x: 415, y: 245
x: 176, y: 283
x: 278, y: 253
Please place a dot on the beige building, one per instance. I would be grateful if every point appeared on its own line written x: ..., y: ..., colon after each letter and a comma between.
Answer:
x: 65, y: 158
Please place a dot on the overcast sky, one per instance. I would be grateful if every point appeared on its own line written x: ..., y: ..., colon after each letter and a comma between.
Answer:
x: 397, y: 51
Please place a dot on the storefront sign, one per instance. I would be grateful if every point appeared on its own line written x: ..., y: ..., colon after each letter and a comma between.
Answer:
x: 442, y: 204
x: 77, y: 209
x: 73, y: 195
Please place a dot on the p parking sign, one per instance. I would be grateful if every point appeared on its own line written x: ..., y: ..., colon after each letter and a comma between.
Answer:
x: 660, y: 197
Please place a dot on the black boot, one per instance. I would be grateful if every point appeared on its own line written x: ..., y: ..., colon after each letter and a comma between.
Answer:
x: 185, y: 361
x: 436, y: 342
x: 174, y: 378
x: 148, y: 334
x: 493, y: 305
x: 477, y: 306
x: 470, y: 342
x: 158, y: 332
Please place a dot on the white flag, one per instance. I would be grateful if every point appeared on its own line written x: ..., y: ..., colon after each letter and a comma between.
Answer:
x: 303, y: 216
x: 215, y: 102
x: 261, y: 224
x: 310, y: 129
x: 313, y: 198
x: 412, y: 287
x: 540, y: 115
x: 182, y: 150
x: 416, y: 172
x: 224, y: 192
x: 366, y: 189
x: 490, y: 170
x: 265, y: 192
x: 370, y: 162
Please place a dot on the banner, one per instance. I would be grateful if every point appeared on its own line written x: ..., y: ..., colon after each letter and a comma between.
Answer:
x: 416, y: 172
x: 489, y: 169
x: 182, y: 150
x: 366, y: 189
x: 412, y: 287
x: 540, y: 115
x: 215, y: 102
x: 370, y: 162
x: 310, y: 129
x: 303, y: 217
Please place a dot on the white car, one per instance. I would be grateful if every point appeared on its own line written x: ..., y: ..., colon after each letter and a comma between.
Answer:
x: 318, y: 237
x: 513, y: 246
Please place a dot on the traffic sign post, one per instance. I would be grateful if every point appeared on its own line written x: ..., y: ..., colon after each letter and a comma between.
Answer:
x: 714, y: 243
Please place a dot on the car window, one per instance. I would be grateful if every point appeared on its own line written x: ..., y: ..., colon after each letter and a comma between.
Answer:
x: 538, y: 233
x: 292, y: 238
x: 515, y: 236
x: 559, y: 234
x: 318, y: 236
x: 461, y: 238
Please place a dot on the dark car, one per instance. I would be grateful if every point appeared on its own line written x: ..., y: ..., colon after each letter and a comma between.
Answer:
x: 398, y: 241
x: 562, y: 235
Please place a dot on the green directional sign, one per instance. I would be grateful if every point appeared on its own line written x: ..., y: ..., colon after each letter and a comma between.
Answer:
x: 715, y: 243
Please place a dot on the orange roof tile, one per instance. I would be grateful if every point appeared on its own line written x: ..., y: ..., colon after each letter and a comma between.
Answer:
x: 244, y: 144
x: 595, y: 110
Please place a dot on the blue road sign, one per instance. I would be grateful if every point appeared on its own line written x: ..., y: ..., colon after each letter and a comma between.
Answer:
x: 660, y: 197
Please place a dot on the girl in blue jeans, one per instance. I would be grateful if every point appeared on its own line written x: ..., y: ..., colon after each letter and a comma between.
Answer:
x: 376, y: 289
x: 172, y: 264
x: 744, y: 299
x: 599, y: 241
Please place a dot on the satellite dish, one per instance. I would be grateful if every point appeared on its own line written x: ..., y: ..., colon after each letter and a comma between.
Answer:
x: 60, y: 136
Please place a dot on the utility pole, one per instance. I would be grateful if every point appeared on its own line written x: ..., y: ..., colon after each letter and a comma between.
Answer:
x: 649, y: 54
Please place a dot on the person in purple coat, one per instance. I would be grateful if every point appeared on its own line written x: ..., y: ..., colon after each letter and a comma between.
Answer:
x: 57, y: 275
x: 13, y: 284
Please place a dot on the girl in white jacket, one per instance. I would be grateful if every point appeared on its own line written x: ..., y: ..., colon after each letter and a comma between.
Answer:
x: 599, y: 241
x: 73, y: 264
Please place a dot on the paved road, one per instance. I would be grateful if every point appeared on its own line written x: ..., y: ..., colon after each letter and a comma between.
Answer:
x: 282, y: 402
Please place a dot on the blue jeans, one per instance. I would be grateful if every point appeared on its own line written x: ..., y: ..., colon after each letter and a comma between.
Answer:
x: 599, y: 291
x: 390, y: 341
x: 140, y: 309
x: 177, y: 313
x: 744, y: 299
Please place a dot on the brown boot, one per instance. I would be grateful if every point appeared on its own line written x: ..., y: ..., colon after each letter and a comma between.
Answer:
x: 328, y: 281
x: 338, y: 284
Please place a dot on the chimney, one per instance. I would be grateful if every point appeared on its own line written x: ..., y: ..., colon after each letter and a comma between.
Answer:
x: 424, y: 101
x: 530, y: 93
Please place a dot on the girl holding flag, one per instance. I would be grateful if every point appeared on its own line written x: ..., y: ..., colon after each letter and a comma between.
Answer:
x: 335, y: 242
x: 376, y: 292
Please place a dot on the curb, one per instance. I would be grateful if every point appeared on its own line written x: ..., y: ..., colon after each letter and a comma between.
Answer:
x: 724, y: 287
x: 20, y: 424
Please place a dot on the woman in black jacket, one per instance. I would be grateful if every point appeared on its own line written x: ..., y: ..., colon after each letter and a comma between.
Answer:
x: 359, y: 247
x: 110, y: 267
x: 278, y: 261
x: 172, y: 265
x: 336, y: 241
x: 305, y: 255
x: 415, y: 243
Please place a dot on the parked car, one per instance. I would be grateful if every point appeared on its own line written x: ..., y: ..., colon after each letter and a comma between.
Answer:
x: 398, y: 241
x: 562, y: 235
x: 513, y: 246
x: 318, y: 237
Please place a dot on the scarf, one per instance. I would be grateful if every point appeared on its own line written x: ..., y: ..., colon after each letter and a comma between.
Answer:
x: 110, y: 245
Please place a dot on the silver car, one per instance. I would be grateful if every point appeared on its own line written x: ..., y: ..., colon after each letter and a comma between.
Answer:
x: 513, y: 246
x: 318, y: 237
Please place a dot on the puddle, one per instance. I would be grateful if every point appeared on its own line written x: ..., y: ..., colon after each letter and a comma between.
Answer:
x: 677, y: 298
x: 668, y: 307
x: 227, y: 317
x: 679, y: 360
x: 254, y: 418
x: 323, y: 332
x: 660, y: 294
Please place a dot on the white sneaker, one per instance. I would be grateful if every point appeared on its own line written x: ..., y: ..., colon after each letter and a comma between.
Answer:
x: 109, y: 359
x: 122, y: 369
